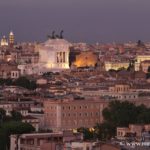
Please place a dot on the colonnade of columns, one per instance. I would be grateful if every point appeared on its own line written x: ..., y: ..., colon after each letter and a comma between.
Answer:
x: 61, y: 57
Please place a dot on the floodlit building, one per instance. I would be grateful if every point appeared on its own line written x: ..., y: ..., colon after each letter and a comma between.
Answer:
x: 8, y: 42
x: 139, y: 60
x: 116, y: 65
x: 11, y: 38
x: 54, y: 54
x: 4, y: 41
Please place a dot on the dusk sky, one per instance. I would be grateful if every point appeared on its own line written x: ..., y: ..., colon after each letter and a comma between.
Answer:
x: 82, y: 20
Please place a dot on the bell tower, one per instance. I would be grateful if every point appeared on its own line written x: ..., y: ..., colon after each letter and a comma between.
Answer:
x: 11, y: 39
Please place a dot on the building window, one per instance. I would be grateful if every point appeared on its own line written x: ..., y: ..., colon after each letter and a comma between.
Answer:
x: 64, y: 57
x: 97, y: 113
x: 86, y: 114
x: 87, y: 148
x: 86, y: 107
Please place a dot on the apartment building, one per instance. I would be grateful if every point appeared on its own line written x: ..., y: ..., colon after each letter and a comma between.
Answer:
x: 72, y: 114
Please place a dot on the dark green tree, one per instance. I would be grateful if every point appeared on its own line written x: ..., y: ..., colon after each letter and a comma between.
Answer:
x: 120, y: 69
x: 10, y: 128
x: 148, y: 70
x: 104, y: 131
x: 87, y: 134
x: 144, y: 116
x: 140, y: 43
x: 131, y: 65
x: 8, y: 81
x: 120, y: 113
x: 112, y: 70
x: 26, y: 83
x: 5, y: 81
x: 148, y: 73
x: 16, y: 115
x: 2, y: 115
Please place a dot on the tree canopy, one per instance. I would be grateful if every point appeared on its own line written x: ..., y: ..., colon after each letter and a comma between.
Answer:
x: 148, y: 73
x: 117, y: 114
x: 12, y: 127
x: 121, y: 114
x: 2, y: 115
x: 21, y: 81
x: 26, y: 83
x: 6, y: 81
x: 16, y: 115
x: 87, y: 134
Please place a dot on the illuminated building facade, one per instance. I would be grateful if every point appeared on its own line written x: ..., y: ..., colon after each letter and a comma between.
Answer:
x: 139, y: 60
x: 145, y: 65
x: 54, y: 54
x: 4, y: 41
x: 11, y: 39
x: 86, y: 59
x: 116, y: 65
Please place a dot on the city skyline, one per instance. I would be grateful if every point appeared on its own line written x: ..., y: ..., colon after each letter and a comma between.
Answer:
x: 74, y: 74
x: 91, y: 21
